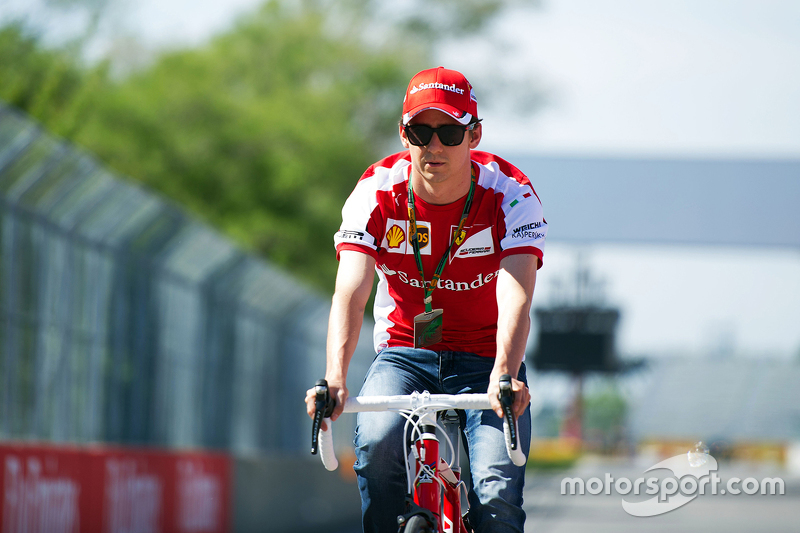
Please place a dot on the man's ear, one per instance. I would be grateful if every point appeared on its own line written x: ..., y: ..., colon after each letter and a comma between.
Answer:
x: 475, y: 136
x: 403, y: 137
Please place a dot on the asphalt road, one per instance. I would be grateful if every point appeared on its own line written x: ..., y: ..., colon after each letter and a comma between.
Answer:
x: 551, y: 512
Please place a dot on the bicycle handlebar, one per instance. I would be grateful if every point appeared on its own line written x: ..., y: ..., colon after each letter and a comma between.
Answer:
x: 440, y: 402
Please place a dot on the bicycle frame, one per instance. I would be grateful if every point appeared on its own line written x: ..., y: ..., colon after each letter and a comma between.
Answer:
x: 448, y: 476
x: 434, y: 484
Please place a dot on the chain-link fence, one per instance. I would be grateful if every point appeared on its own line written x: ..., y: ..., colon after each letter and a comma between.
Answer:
x: 124, y: 320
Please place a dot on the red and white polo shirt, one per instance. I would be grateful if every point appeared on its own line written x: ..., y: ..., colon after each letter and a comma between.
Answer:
x: 505, y: 218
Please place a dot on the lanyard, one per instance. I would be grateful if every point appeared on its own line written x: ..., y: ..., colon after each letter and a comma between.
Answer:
x: 415, y: 243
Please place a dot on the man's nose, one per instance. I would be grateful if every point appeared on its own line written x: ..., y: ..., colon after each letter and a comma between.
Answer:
x: 435, y: 145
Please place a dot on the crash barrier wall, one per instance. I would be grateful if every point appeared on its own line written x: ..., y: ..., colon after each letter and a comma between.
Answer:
x: 124, y: 320
x: 295, y: 494
x: 62, y: 489
x: 99, y: 489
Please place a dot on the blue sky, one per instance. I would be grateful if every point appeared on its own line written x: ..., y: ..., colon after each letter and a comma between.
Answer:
x: 677, y: 77
x: 629, y: 78
x: 671, y: 79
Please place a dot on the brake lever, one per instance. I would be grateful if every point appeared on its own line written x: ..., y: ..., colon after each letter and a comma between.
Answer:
x: 323, y: 408
x: 506, y: 397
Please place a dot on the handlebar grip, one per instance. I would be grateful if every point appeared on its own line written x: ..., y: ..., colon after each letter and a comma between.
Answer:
x: 515, y: 452
x: 326, y: 451
x: 506, y: 397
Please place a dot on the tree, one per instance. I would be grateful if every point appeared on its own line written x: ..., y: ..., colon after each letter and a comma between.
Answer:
x: 264, y: 130
x: 605, y: 413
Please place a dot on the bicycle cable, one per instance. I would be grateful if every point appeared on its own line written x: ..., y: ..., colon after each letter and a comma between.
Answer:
x: 416, y: 432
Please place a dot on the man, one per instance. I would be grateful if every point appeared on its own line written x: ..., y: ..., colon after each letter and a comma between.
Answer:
x: 456, y: 237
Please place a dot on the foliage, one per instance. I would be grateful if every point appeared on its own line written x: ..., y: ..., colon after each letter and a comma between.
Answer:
x: 548, y: 454
x: 263, y: 131
x: 48, y: 84
x: 604, y: 416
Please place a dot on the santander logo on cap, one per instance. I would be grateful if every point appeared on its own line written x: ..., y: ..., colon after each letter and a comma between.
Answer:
x: 442, y: 89
x: 436, y: 85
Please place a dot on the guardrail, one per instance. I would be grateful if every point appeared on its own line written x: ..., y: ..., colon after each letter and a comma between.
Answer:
x: 124, y: 320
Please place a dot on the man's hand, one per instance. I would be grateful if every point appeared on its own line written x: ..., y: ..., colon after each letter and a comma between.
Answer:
x: 337, y: 391
x: 522, y: 396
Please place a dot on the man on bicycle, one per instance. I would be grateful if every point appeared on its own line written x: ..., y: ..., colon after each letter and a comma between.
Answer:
x: 456, y: 237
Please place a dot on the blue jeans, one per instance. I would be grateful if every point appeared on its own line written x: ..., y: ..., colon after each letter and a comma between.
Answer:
x: 496, y: 494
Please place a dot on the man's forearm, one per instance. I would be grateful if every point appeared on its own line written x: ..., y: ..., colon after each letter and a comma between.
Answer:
x: 514, y: 292
x: 353, y: 287
x: 515, y: 286
x: 344, y: 326
x: 512, y: 336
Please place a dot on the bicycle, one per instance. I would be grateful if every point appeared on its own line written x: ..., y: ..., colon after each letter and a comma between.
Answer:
x: 434, y: 485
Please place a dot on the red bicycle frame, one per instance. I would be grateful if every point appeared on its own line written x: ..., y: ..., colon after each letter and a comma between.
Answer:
x: 436, y: 485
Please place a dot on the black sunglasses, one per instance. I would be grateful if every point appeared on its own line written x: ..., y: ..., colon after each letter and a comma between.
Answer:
x: 449, y: 134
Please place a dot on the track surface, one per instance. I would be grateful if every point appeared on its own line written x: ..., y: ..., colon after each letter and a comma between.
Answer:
x: 550, y: 512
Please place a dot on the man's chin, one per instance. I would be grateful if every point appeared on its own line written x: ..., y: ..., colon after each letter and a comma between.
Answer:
x: 435, y: 169
x: 434, y: 177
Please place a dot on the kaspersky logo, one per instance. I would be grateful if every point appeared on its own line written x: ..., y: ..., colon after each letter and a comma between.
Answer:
x: 436, y: 85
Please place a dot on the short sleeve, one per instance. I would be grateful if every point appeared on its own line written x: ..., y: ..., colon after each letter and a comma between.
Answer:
x: 524, y: 223
x: 359, y: 229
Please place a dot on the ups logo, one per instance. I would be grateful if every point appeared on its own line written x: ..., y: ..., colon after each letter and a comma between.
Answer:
x: 423, y: 236
x: 397, y: 238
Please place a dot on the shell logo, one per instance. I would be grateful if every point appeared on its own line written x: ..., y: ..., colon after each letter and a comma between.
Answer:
x: 395, y: 236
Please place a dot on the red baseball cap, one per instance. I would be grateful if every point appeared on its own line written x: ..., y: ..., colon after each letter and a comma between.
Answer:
x: 442, y: 89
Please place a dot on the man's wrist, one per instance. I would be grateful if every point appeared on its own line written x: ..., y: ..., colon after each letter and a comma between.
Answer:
x: 497, y: 372
x: 501, y: 367
x: 335, y: 378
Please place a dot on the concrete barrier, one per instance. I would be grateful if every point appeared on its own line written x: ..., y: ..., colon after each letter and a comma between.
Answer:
x: 294, y: 494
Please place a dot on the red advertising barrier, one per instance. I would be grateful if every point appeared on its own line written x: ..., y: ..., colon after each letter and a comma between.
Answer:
x: 63, y: 489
